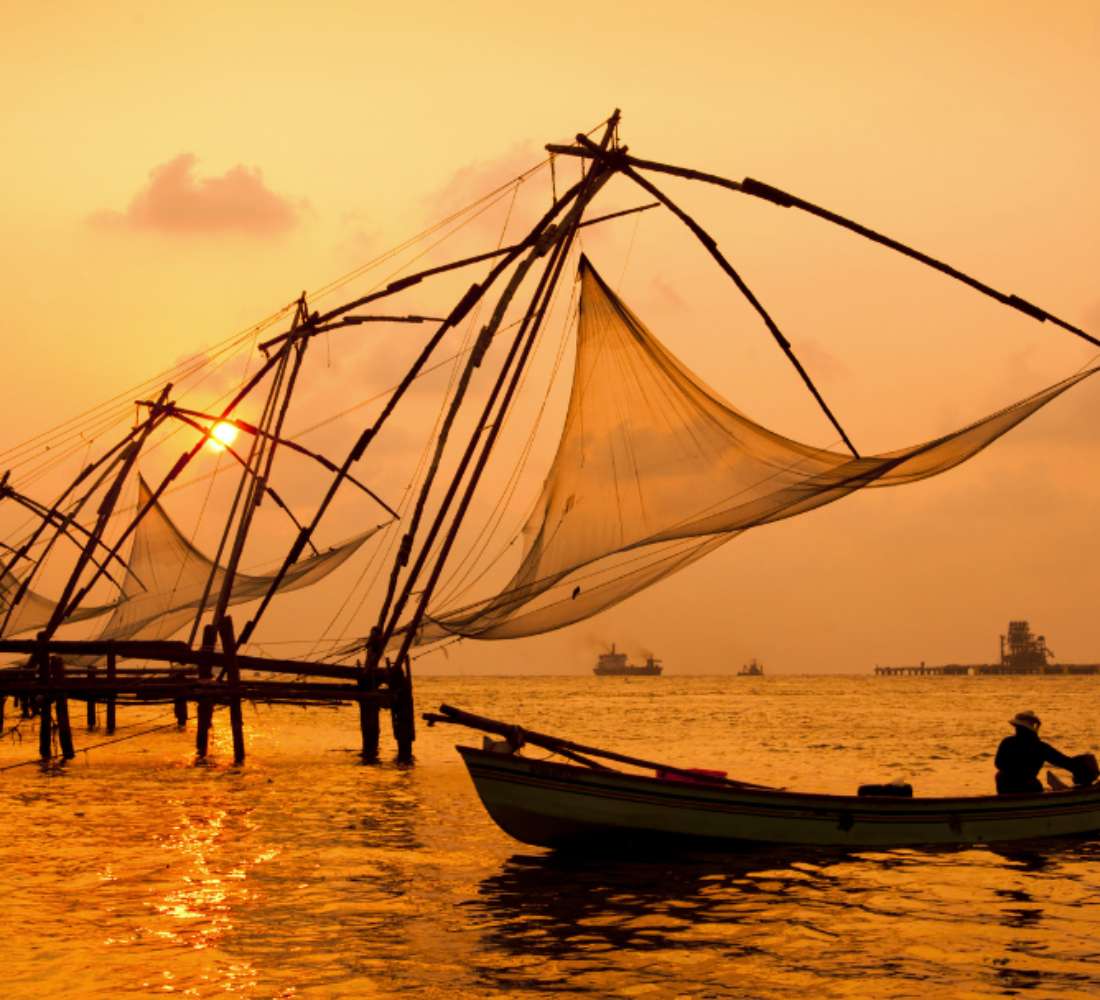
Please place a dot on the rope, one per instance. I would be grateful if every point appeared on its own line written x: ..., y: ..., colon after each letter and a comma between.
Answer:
x: 98, y: 746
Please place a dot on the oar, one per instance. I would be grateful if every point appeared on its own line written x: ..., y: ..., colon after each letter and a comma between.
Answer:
x: 517, y: 736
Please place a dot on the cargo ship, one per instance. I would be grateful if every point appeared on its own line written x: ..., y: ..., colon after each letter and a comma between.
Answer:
x: 614, y: 664
x: 751, y: 669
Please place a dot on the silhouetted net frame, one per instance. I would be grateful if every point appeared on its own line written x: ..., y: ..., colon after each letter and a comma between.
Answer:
x: 654, y: 470
x: 166, y: 579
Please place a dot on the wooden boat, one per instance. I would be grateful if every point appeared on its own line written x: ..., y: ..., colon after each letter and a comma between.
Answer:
x: 553, y: 804
x: 587, y: 805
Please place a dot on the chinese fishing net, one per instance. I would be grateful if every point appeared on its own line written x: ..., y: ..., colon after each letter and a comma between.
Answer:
x: 655, y: 470
x: 166, y: 578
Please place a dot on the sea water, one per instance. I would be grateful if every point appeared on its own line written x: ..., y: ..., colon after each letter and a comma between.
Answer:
x: 131, y: 871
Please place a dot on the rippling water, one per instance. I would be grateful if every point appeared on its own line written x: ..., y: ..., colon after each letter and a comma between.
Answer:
x: 132, y: 871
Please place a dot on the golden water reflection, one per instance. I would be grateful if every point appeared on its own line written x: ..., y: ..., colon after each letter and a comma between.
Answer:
x: 304, y: 874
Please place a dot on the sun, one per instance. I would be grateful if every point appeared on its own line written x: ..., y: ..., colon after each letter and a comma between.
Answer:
x: 221, y: 436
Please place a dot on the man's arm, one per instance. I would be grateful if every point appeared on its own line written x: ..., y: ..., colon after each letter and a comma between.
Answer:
x: 1056, y: 757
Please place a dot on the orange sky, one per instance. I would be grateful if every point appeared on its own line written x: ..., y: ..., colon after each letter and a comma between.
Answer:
x: 292, y: 143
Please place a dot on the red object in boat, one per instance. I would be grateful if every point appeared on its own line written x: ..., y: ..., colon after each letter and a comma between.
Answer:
x: 705, y: 777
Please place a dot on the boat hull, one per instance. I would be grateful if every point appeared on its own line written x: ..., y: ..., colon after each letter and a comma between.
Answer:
x: 562, y: 806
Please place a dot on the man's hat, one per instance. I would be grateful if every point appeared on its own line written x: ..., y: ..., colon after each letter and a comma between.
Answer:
x: 1026, y: 720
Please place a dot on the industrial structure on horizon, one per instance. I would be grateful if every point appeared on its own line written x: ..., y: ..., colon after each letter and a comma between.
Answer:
x: 1022, y: 652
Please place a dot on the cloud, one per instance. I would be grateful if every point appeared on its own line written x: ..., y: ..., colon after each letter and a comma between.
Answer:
x: 175, y: 201
x: 474, y: 181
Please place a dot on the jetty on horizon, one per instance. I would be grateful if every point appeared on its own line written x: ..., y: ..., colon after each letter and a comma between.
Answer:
x: 1022, y: 652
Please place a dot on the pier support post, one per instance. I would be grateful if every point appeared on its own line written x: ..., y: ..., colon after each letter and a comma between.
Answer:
x: 179, y: 706
x: 369, y: 728
x: 45, y: 729
x: 112, y: 675
x: 64, y: 728
x: 402, y: 713
x: 90, y: 718
x: 233, y: 674
x: 45, y: 706
x: 204, y: 708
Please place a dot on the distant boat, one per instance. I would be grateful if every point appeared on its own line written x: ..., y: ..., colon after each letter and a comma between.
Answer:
x: 751, y: 669
x: 614, y: 664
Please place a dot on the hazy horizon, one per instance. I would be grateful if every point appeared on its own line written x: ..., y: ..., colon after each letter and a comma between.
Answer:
x: 177, y: 180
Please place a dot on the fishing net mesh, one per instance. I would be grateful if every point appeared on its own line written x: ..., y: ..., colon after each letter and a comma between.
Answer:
x: 654, y: 470
x: 166, y: 577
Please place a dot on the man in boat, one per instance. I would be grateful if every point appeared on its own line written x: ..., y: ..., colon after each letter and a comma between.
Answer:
x: 1020, y: 757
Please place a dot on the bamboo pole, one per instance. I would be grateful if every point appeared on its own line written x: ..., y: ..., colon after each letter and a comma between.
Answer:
x: 331, y: 320
x: 712, y: 248
x: 461, y: 309
x: 166, y: 690
x: 521, y: 346
x: 517, y: 736
x: 766, y: 192
x: 557, y: 242
x: 184, y: 460
x: 172, y: 651
x: 65, y: 606
x: 108, y: 459
x: 246, y: 492
x: 67, y: 528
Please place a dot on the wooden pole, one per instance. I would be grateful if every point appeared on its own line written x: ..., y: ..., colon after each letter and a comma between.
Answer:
x: 712, y: 248
x: 108, y: 459
x: 45, y: 733
x: 369, y: 728
x: 233, y: 674
x: 204, y: 708
x: 112, y: 667
x: 402, y: 718
x: 70, y: 597
x: 517, y: 736
x: 180, y: 709
x: 45, y: 708
x: 179, y: 706
x: 505, y: 387
x: 461, y: 309
x: 90, y: 718
x: 758, y: 189
x: 64, y: 729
